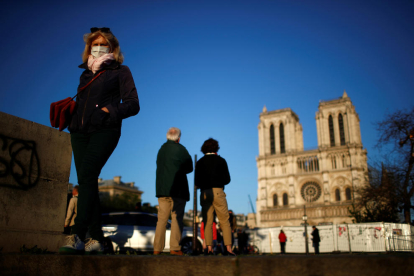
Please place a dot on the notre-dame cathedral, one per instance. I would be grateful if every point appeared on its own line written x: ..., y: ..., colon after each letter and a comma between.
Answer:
x: 323, y: 178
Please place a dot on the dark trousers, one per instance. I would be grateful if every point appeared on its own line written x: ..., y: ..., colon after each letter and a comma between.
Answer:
x: 282, y: 247
x: 316, y: 246
x: 91, y: 151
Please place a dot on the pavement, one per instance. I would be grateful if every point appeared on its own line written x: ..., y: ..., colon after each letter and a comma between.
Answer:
x: 312, y: 265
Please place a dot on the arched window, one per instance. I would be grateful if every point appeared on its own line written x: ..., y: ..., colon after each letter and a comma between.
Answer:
x: 285, y: 199
x: 282, y: 138
x: 341, y: 129
x: 272, y: 139
x: 331, y: 131
x: 348, y: 194
x: 275, y: 200
x: 337, y: 195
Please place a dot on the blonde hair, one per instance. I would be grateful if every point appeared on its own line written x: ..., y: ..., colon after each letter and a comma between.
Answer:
x: 110, y: 38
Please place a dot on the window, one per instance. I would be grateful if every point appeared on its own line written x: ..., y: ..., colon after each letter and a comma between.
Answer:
x: 331, y: 131
x: 272, y: 139
x: 341, y: 129
x: 275, y: 200
x: 285, y: 199
x: 337, y: 195
x: 308, y: 164
x: 282, y: 138
x: 348, y: 194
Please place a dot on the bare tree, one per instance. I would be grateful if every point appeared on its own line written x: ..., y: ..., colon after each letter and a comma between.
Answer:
x: 397, y: 130
x: 378, y: 200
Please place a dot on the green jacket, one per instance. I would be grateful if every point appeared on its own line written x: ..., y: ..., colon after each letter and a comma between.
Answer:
x: 173, y: 163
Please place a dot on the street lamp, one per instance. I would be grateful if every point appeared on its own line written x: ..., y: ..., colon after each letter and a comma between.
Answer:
x: 305, y: 219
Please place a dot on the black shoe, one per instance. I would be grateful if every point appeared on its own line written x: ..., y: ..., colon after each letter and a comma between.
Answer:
x: 206, y: 253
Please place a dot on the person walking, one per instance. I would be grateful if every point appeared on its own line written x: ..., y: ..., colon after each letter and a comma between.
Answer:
x: 72, y: 208
x: 95, y: 130
x: 211, y: 175
x: 282, y: 240
x: 315, y: 239
x: 173, y: 163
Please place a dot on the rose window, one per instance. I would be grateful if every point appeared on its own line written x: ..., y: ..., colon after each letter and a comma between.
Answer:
x: 311, y: 191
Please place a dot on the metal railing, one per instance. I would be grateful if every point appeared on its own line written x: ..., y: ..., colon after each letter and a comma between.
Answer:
x: 401, y: 243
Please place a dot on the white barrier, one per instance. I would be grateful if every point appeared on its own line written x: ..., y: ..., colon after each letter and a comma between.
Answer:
x: 361, y: 237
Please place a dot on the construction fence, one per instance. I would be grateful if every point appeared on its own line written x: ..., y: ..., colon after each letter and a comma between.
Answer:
x: 361, y: 237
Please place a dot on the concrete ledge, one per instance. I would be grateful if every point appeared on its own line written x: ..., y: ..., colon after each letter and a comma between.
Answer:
x: 398, y: 264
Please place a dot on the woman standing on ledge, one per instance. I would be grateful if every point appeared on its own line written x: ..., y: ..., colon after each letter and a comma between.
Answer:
x: 211, y: 175
x: 95, y: 130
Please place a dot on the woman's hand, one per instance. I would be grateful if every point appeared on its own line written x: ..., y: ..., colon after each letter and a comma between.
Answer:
x: 105, y: 109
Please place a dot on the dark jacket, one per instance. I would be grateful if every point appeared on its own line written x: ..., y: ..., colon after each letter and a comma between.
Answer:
x: 315, y: 236
x: 173, y: 163
x: 211, y: 172
x: 114, y: 85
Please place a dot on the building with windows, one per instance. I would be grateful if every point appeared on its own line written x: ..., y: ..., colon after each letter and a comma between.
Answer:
x: 323, y: 178
x: 115, y: 187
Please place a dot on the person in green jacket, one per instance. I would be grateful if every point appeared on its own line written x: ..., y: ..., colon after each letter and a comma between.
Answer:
x: 173, y: 163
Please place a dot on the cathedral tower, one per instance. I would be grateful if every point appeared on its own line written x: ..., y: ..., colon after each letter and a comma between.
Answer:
x: 324, y: 178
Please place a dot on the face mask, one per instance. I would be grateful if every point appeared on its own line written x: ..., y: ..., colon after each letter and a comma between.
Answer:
x: 98, y: 51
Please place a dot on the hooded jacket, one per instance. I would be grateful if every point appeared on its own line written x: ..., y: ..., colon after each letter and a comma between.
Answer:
x: 114, y: 85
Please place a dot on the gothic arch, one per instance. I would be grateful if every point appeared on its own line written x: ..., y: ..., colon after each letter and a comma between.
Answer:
x: 272, y: 140
x: 282, y: 138
x: 334, y: 192
x: 341, y: 129
x: 275, y: 200
x: 341, y: 181
x: 331, y: 129
x: 285, y: 198
x: 348, y: 193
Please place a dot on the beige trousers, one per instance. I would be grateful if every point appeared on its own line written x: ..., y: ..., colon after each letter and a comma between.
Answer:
x: 175, y: 207
x: 215, y: 200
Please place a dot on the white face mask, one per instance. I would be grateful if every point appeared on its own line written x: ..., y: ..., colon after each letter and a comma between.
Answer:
x: 98, y: 51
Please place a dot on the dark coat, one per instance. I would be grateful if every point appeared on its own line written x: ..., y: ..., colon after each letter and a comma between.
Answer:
x: 114, y: 85
x: 173, y: 163
x: 211, y: 172
x: 315, y: 236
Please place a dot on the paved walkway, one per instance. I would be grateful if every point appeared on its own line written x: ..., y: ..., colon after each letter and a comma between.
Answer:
x: 51, y: 264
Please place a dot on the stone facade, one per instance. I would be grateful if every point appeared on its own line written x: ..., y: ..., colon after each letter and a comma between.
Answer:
x: 116, y: 187
x: 323, y: 178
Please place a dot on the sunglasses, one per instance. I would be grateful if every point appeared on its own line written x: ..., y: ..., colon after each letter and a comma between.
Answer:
x: 104, y: 30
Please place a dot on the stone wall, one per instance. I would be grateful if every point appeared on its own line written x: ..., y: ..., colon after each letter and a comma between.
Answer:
x: 273, y: 217
x: 35, y: 165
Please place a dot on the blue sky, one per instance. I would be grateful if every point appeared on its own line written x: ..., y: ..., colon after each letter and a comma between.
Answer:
x: 209, y: 67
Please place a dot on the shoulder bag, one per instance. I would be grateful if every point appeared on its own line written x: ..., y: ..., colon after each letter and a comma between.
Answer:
x: 61, y: 112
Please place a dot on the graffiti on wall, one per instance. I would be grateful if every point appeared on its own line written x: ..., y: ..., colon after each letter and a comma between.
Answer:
x: 18, y: 161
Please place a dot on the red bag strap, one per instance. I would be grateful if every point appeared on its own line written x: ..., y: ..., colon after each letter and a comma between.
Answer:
x: 94, y: 78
